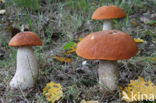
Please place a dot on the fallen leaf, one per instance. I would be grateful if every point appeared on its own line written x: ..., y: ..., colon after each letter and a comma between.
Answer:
x: 138, y: 40
x: 68, y: 45
x: 92, y: 101
x: 80, y: 39
x: 73, y: 49
x: 134, y: 22
x: 53, y: 92
x: 139, y: 90
x: 71, y: 46
x: 154, y: 59
x: 68, y: 52
x: 63, y: 59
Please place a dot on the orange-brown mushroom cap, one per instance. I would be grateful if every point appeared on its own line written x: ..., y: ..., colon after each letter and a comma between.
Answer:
x: 108, y: 12
x: 107, y: 45
x: 27, y: 38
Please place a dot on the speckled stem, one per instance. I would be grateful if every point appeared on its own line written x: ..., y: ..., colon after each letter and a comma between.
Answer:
x: 108, y: 75
x: 27, y: 69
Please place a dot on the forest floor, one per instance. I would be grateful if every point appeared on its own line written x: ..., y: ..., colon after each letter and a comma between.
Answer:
x: 58, y: 22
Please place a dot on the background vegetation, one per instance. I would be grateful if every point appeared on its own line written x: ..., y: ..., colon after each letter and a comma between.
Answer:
x: 58, y: 22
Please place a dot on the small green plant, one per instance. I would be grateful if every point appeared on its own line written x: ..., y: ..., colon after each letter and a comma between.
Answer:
x: 68, y: 45
x: 28, y: 20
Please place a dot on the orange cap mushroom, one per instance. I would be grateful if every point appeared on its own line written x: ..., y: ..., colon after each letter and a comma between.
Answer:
x: 107, y: 46
x: 107, y: 13
x: 27, y: 67
x: 26, y: 38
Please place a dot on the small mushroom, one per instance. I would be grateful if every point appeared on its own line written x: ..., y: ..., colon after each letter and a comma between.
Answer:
x: 108, y: 13
x: 27, y: 68
x: 108, y: 46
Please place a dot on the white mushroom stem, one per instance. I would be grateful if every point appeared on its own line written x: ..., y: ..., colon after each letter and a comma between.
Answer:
x: 108, y: 75
x: 107, y: 25
x: 27, y: 70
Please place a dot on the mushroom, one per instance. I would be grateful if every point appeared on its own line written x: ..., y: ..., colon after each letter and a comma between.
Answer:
x: 108, y: 46
x: 108, y: 13
x: 27, y: 69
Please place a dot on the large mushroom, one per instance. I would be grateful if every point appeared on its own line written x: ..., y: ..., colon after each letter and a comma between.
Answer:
x: 107, y: 13
x: 108, y: 46
x: 27, y: 69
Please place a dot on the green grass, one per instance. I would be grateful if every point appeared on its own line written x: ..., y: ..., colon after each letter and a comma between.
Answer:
x: 27, y: 4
